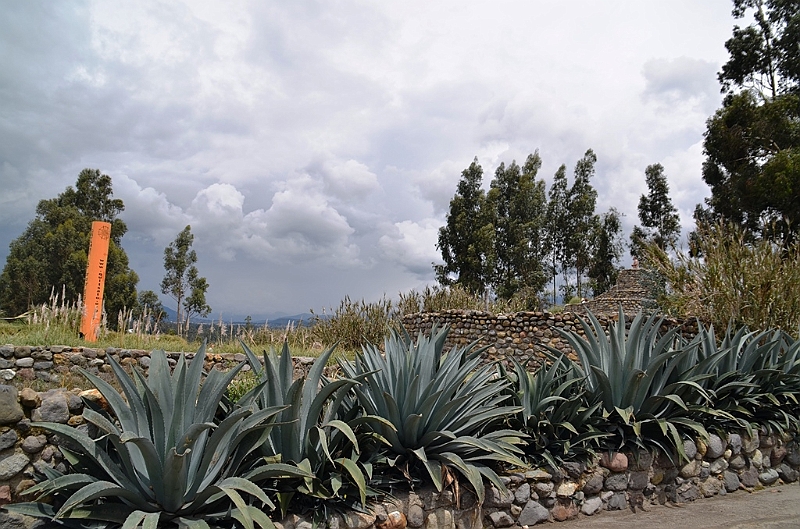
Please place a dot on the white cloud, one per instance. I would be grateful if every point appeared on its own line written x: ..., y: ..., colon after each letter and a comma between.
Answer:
x: 412, y: 245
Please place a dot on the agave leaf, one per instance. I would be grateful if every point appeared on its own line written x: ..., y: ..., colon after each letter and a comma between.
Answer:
x: 255, y: 515
x: 357, y: 476
x: 191, y: 523
x: 98, y: 489
x: 147, y: 520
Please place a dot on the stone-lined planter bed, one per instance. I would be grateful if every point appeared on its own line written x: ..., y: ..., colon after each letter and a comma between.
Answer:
x: 615, y: 481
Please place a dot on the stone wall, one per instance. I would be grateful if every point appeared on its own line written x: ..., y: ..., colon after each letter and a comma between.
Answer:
x: 524, y: 336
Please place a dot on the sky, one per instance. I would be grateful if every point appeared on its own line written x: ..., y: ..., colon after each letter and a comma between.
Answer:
x: 314, y: 146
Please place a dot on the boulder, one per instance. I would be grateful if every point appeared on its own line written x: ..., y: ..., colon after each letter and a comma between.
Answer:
x: 10, y: 410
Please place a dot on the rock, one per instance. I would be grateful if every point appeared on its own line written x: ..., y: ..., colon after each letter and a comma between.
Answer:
x: 12, y: 465
x: 716, y: 447
x: 718, y: 466
x: 735, y: 443
x: 538, y: 475
x: 53, y: 409
x: 793, y: 457
x: 617, y: 501
x: 573, y: 470
x: 394, y: 520
x: 543, y: 488
x: 74, y: 404
x: 749, y: 477
x: 730, y: 480
x: 638, y: 480
x: 498, y: 519
x: 592, y: 505
x: 533, y: 513
x: 702, y: 448
x: 737, y: 462
x: 690, y: 448
x: 564, y: 511
x: 750, y: 444
x: 5, y: 496
x: 144, y: 362
x: 769, y: 476
x: 688, y: 492
x: 8, y: 520
x: 8, y: 439
x: 29, y: 398
x: 7, y: 374
x: 566, y: 489
x: 767, y: 441
x: 443, y: 518
x: 498, y: 498
x: 710, y: 487
x: 34, y: 443
x: 358, y: 520
x: 94, y: 395
x: 777, y: 455
x: 594, y: 484
x: 691, y: 469
x: 617, y: 481
x: 787, y: 473
x: 10, y: 410
x: 614, y: 461
x: 640, y: 460
x: 24, y: 362
x: 757, y: 459
x: 415, y: 516
x: 523, y: 494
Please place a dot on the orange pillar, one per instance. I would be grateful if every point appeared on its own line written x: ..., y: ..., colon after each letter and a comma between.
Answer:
x: 95, y: 280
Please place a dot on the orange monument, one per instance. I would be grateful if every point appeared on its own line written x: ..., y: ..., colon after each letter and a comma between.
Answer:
x: 95, y: 280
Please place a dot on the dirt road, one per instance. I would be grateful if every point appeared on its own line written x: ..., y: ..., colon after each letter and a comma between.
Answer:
x: 771, y: 508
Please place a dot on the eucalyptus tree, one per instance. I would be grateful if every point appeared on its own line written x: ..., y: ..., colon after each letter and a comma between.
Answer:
x: 659, y: 218
x: 182, y: 281
x: 52, y: 252
x: 465, y: 239
x: 582, y: 201
x: 518, y: 204
x: 557, y: 224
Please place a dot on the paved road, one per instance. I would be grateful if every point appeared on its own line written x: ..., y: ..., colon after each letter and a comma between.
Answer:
x: 771, y: 508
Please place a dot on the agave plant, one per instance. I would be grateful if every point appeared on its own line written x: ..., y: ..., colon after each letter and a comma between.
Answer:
x: 561, y: 424
x: 635, y: 376
x: 162, y: 458
x: 754, y: 378
x: 313, y: 433
x: 442, y: 411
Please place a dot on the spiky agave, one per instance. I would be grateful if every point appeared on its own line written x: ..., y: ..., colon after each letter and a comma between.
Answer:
x: 162, y: 459
x: 442, y: 410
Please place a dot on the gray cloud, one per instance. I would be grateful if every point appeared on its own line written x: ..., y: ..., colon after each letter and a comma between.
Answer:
x: 314, y: 147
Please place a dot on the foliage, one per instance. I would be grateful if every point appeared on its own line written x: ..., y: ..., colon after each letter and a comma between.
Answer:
x: 555, y: 415
x: 634, y: 375
x: 752, y: 143
x: 442, y: 412
x: 517, y: 203
x: 465, y: 239
x: 314, y: 433
x: 182, y: 281
x: 753, y: 283
x: 353, y: 323
x: 659, y: 218
x: 557, y: 226
x: 581, y: 200
x: 606, y: 252
x: 52, y: 252
x: 149, y: 311
x: 166, y: 460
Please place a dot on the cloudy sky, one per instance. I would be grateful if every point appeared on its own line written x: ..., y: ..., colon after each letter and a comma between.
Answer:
x: 314, y: 146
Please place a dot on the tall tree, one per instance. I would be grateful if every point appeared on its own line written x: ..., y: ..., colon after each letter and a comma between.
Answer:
x: 558, y: 226
x: 518, y: 202
x: 752, y: 144
x: 52, y: 252
x: 659, y: 218
x: 582, y: 200
x: 606, y: 251
x: 465, y: 239
x: 182, y: 281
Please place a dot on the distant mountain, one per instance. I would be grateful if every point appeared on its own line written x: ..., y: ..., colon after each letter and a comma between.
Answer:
x: 305, y: 318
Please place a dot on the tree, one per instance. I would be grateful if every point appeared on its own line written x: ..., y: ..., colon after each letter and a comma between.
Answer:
x: 558, y: 226
x: 607, y: 250
x: 659, y: 218
x: 52, y: 252
x: 517, y: 201
x: 752, y: 144
x: 150, y: 309
x: 581, y: 203
x: 182, y: 281
x: 465, y: 239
